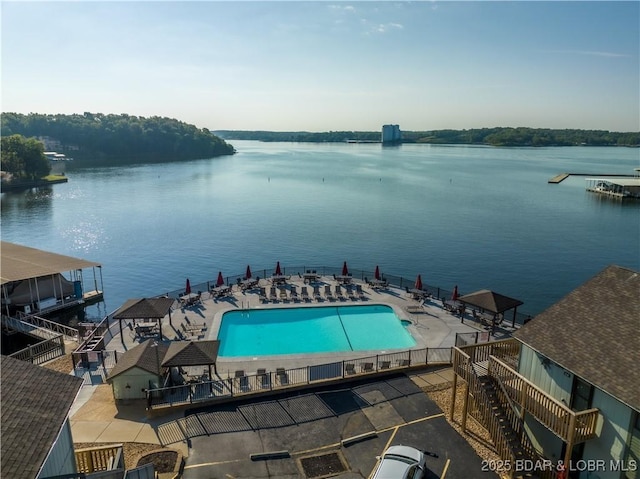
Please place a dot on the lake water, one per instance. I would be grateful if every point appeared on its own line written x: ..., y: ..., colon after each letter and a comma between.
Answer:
x: 477, y: 217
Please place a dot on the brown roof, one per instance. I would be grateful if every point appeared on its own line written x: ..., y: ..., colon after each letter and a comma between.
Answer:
x: 35, y: 406
x: 21, y: 262
x: 144, y: 356
x: 593, y: 332
x: 197, y: 353
x: 490, y: 301
x: 141, y: 308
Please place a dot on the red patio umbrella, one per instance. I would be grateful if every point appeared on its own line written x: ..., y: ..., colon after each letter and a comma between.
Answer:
x: 187, y: 288
x: 418, y: 284
x: 376, y: 275
x: 454, y: 295
x: 220, y: 281
x: 345, y: 270
x: 248, y: 273
x: 278, y: 271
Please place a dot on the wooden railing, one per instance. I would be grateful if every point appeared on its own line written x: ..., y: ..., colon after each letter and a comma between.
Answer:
x: 560, y: 419
x: 104, y: 458
x: 67, y: 331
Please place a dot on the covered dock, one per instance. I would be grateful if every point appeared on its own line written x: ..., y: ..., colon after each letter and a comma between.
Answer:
x: 623, y: 187
x: 34, y: 281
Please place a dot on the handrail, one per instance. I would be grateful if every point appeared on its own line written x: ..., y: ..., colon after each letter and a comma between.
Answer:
x: 66, y: 331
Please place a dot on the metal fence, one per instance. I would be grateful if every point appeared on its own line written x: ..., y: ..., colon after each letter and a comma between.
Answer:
x: 463, y: 339
x: 295, y: 377
x: 358, y: 274
x: 41, y: 352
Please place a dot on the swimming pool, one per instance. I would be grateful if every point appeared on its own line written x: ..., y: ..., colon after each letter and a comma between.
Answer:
x: 324, y: 329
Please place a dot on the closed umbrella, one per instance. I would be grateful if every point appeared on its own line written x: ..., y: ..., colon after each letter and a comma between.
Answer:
x: 345, y: 270
x: 220, y: 280
x: 454, y: 295
x: 418, y: 284
x: 248, y: 273
x: 376, y: 275
x: 187, y: 288
x: 278, y: 271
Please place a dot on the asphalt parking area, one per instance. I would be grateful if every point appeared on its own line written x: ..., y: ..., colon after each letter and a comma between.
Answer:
x: 301, y: 434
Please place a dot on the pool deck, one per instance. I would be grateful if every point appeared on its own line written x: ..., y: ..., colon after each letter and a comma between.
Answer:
x: 432, y: 326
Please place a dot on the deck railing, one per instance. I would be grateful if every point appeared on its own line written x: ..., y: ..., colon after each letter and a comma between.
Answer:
x: 67, y: 331
x: 104, y: 458
x: 497, y: 360
x: 202, y: 391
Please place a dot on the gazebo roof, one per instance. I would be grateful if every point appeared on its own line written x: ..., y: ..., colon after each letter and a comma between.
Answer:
x: 490, y: 301
x: 191, y: 353
x: 147, y: 308
x: 143, y: 356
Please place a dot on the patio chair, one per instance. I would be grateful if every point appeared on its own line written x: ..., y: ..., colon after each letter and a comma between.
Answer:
x: 316, y: 293
x: 338, y: 292
x: 351, y: 292
x: 265, y: 378
x: 283, y: 378
x: 349, y: 368
x: 385, y: 364
x: 360, y: 292
x: 304, y: 294
x: 366, y: 367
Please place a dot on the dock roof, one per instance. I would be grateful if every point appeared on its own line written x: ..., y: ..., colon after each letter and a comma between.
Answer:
x: 22, y: 262
x: 626, y: 182
x: 593, y: 333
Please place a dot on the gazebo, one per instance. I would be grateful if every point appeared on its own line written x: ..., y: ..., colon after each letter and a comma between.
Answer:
x: 145, y: 308
x: 493, y: 302
x: 192, y: 353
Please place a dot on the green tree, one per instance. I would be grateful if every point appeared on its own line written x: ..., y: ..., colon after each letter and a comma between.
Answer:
x: 23, y: 157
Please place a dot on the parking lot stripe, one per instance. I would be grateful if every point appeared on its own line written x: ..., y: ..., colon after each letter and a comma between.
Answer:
x: 444, y: 471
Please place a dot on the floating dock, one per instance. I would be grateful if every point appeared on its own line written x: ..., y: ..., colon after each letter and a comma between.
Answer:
x: 558, y: 178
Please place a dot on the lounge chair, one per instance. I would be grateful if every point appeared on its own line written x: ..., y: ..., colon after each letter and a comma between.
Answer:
x: 351, y: 292
x: 338, y: 292
x: 273, y: 295
x: 304, y: 294
x: 349, y: 368
x: 360, y: 292
x: 263, y: 295
x: 283, y: 294
x: 327, y: 292
x: 316, y: 293
x: 294, y: 294
x: 385, y: 364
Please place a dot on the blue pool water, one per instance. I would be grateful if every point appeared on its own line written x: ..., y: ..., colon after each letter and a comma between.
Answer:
x: 311, y: 330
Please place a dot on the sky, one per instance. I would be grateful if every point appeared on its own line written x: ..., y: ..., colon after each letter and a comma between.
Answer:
x: 328, y: 66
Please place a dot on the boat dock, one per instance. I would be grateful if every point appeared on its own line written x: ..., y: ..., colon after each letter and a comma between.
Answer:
x: 563, y: 176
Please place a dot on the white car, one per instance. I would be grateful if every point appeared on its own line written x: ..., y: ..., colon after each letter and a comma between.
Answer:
x: 401, y: 462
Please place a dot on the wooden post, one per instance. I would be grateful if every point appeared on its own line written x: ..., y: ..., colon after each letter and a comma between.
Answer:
x: 453, y: 395
x: 465, y: 407
x: 572, y: 434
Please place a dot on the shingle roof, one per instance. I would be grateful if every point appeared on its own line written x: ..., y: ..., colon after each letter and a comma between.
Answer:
x: 143, y: 356
x: 35, y: 405
x: 490, y: 301
x: 21, y: 262
x: 593, y: 332
x: 141, y: 308
x: 182, y: 353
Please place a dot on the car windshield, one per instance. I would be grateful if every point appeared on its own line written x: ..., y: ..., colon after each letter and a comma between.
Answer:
x: 404, y: 459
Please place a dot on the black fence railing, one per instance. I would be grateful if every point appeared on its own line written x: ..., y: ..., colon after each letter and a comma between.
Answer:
x: 358, y: 275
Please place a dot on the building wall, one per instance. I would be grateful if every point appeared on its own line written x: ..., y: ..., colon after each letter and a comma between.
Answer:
x: 614, y: 424
x: 137, y: 379
x: 545, y: 374
x: 391, y: 133
x: 61, y: 459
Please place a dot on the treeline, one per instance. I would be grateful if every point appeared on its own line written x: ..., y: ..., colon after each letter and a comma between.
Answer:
x: 94, y: 138
x: 479, y: 136
x: 299, y: 136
